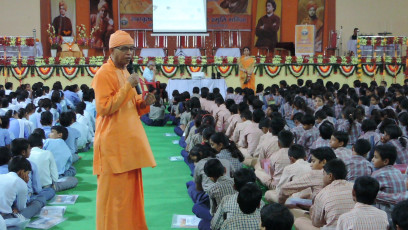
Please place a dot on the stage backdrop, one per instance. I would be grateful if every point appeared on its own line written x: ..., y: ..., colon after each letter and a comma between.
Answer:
x: 261, y: 11
x: 221, y: 14
x: 312, y: 13
x: 66, y: 25
x: 102, y: 18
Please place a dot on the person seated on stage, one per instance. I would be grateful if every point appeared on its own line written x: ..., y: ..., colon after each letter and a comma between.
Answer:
x: 250, y: 134
x: 332, y: 201
x: 357, y: 164
x: 275, y: 216
x: 297, y: 168
x: 229, y: 205
x: 21, y: 147
x: 5, y: 157
x: 400, y: 215
x: 48, y: 170
x: 312, y: 179
x: 338, y: 143
x: 364, y: 215
x: 156, y: 116
x: 46, y: 122
x: 66, y: 120
x: 249, y: 201
x: 62, y: 154
x: 14, y: 197
x: 149, y: 74
x: 235, y: 118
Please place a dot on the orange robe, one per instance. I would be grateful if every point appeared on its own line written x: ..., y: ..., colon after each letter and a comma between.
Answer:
x: 121, y: 149
x: 247, y: 63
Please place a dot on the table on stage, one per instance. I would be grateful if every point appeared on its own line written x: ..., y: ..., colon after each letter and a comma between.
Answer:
x: 26, y: 51
x: 228, y: 52
x: 188, y: 84
x: 152, y: 52
x: 188, y: 52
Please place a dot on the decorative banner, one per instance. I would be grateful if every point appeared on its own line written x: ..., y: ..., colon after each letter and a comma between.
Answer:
x: 347, y: 70
x: 393, y: 70
x: 221, y: 15
x: 44, y: 72
x: 91, y: 70
x: 101, y: 18
x: 273, y: 70
x: 194, y: 69
x: 369, y: 70
x: 224, y: 70
x: 70, y: 72
x: 168, y: 71
x: 297, y: 70
x: 311, y: 12
x: 324, y: 70
x: 19, y: 72
x: 304, y: 40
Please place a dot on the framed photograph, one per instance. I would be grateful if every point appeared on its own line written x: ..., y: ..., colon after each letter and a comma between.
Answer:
x: 102, y: 20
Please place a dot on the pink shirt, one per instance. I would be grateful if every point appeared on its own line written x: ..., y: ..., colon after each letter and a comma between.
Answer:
x: 343, y: 153
x: 363, y: 216
x: 232, y: 123
x: 249, y: 137
x: 221, y: 118
x: 238, y: 129
x: 279, y: 161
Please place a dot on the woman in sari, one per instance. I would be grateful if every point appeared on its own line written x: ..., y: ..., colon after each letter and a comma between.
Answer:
x: 246, y: 69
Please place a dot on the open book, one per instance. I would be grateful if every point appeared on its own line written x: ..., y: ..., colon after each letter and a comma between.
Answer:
x: 64, y: 199
x: 49, y: 217
x: 185, y: 221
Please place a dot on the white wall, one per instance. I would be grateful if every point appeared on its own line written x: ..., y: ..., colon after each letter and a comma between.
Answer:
x: 20, y: 17
x: 371, y: 17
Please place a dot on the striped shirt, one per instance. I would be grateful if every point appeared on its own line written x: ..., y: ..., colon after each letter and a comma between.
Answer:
x: 331, y: 202
x: 355, y: 132
x: 243, y: 221
x: 225, y: 154
x: 369, y: 134
x: 391, y: 179
x: 358, y: 166
x: 249, y: 137
x: 320, y: 142
x: 362, y: 217
x: 279, y: 161
x: 223, y: 187
x: 238, y: 130
x: 308, y: 137
x: 312, y: 179
x: 343, y: 153
x: 401, y: 151
x: 293, y: 171
x: 232, y: 123
x: 298, y: 131
x: 337, y: 111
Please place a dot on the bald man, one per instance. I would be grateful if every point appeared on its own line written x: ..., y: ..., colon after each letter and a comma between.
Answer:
x: 121, y: 147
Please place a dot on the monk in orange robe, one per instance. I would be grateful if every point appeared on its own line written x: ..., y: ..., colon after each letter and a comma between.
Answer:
x: 121, y: 147
x: 246, y: 70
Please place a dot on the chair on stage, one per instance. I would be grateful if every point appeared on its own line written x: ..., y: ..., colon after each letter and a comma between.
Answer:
x: 227, y: 43
x: 144, y: 85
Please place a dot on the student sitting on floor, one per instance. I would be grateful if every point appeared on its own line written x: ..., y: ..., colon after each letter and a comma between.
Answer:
x: 391, y: 179
x: 357, y: 164
x: 275, y: 216
x: 338, y: 143
x: 249, y: 201
x: 393, y: 136
x: 5, y: 157
x: 66, y: 120
x: 312, y: 179
x: 17, y: 128
x: 48, y: 170
x: 311, y: 132
x: 5, y: 139
x: 46, y: 122
x: 21, y: 147
x: 364, y: 215
x: 226, y: 149
x: 250, y: 135
x: 221, y: 116
x: 246, y: 117
x: 297, y: 168
x: 326, y: 130
x: 233, y: 120
x: 263, y: 146
x: 400, y: 215
x: 156, y: 116
x: 229, y: 206
x: 14, y: 198
x: 62, y: 154
x: 332, y: 201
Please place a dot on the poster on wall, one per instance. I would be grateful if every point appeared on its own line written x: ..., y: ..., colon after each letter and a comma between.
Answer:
x: 221, y: 14
x: 63, y: 17
x: 268, y: 16
x: 312, y: 13
x: 102, y: 21
x: 304, y: 40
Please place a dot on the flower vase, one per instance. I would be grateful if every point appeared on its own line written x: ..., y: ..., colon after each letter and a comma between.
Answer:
x: 53, y: 52
x: 85, y: 52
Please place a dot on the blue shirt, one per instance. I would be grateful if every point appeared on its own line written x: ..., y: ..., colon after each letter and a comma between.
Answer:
x: 4, y: 169
x: 47, y: 130
x: 72, y: 139
x: 61, y: 152
x: 90, y: 107
x: 14, y: 128
x: 4, y: 137
x: 148, y: 75
x: 71, y: 96
x: 34, y: 183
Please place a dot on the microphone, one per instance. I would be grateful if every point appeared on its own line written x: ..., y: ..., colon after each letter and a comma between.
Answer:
x: 129, y: 67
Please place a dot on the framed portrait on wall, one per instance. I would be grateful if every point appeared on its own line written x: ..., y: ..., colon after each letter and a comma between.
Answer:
x: 267, y: 30
x: 102, y: 20
x: 63, y: 17
x: 311, y: 12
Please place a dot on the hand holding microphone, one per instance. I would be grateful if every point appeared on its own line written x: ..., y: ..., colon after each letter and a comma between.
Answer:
x: 133, y: 78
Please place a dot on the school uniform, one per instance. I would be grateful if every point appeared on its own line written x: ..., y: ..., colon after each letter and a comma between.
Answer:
x: 156, y: 116
x: 90, y: 108
x: 47, y: 130
x: 249, y: 139
x: 358, y: 166
x: 290, y: 172
x: 18, y: 128
x: 363, y: 216
x: 72, y: 142
x: 238, y: 98
x: 298, y: 131
x: 242, y: 221
x: 225, y: 154
x: 221, y: 117
x: 355, y: 132
x: 238, y: 129
x: 402, y: 152
x: 203, y: 103
x: 320, y: 142
x: 229, y: 96
x: 308, y: 137
x: 338, y: 111
x: 264, y: 159
x: 4, y: 137
x: 62, y: 155
x: 332, y: 201
x: 4, y: 169
x: 85, y: 122
x: 233, y: 121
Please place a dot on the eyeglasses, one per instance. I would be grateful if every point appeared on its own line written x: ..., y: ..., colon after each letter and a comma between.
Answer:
x: 126, y: 48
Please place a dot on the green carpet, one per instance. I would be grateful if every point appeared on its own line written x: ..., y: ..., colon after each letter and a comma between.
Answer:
x: 164, y: 187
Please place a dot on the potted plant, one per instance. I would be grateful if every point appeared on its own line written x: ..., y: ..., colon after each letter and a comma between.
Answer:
x: 55, y: 40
